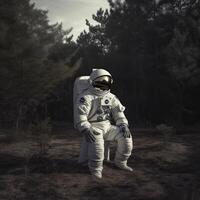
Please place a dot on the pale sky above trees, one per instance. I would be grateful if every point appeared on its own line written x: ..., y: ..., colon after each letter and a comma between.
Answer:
x: 72, y: 13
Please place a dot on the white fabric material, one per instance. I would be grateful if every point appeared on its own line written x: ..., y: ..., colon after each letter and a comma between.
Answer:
x: 99, y: 72
x: 94, y: 109
x: 95, y: 150
x: 91, y: 108
x: 97, y: 106
x: 81, y: 84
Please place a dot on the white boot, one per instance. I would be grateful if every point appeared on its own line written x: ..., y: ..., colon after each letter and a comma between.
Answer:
x: 124, y: 167
x: 97, y: 174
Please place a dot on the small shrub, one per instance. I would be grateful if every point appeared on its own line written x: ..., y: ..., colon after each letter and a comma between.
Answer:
x: 166, y: 131
x: 41, y: 134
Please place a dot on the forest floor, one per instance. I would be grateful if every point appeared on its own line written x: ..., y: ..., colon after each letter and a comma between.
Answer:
x: 164, y: 169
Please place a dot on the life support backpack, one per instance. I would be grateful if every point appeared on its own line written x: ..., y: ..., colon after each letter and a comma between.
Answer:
x: 81, y: 84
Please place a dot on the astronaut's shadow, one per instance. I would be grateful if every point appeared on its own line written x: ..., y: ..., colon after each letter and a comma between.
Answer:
x: 15, y: 165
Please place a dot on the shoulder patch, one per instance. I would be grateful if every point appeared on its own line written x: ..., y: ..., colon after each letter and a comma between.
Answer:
x: 106, y: 101
x: 82, y: 100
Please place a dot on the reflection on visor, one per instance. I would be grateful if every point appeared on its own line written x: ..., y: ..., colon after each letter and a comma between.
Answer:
x: 103, y: 78
x: 104, y: 82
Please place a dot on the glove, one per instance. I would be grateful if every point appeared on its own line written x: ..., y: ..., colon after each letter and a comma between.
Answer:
x: 89, y: 136
x: 125, y: 130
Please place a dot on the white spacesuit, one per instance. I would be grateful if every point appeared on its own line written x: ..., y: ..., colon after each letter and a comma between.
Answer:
x: 94, y: 111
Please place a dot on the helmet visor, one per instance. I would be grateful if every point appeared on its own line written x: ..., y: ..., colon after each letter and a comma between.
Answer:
x: 103, y: 82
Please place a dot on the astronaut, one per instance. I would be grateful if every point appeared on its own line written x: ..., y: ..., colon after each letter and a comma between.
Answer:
x: 100, y: 117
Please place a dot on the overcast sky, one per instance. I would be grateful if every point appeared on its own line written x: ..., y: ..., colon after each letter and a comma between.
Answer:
x: 72, y: 13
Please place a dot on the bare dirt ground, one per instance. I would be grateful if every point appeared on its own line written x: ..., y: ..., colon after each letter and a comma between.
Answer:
x: 163, y: 170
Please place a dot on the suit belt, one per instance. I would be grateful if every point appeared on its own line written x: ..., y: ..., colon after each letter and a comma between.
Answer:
x: 98, y: 120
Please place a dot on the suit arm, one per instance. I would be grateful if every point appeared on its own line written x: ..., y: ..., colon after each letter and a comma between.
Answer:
x: 118, y: 112
x: 82, y: 110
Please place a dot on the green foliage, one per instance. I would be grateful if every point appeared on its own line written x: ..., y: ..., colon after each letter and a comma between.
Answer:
x: 166, y: 131
x: 97, y: 39
x: 152, y: 49
x: 27, y: 43
x: 183, y: 59
x: 41, y: 134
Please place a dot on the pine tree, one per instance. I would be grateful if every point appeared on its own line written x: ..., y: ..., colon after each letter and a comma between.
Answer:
x: 26, y: 72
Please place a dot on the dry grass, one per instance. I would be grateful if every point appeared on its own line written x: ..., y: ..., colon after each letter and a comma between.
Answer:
x: 160, y: 172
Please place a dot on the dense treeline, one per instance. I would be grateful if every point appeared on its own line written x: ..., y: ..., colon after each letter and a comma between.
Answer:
x: 31, y: 65
x: 151, y: 47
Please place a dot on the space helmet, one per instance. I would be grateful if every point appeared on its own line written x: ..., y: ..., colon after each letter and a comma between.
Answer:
x: 101, y: 79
